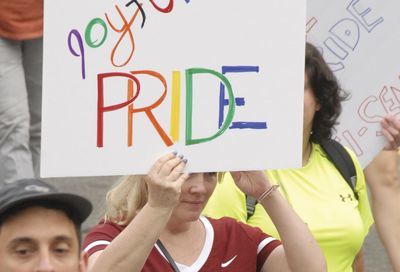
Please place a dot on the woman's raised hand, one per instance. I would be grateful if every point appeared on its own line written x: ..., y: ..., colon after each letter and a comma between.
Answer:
x: 391, y: 130
x: 252, y: 183
x: 165, y: 180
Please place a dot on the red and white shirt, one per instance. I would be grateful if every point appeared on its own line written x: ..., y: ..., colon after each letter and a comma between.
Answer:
x: 229, y: 246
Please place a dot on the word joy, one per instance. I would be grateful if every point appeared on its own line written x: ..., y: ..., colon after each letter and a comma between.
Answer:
x: 125, y: 31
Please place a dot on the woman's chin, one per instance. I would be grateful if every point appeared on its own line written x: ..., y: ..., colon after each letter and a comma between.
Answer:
x: 189, y: 216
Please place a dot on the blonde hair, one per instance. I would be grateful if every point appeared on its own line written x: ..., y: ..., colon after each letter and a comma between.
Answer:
x: 128, y: 196
x: 125, y: 199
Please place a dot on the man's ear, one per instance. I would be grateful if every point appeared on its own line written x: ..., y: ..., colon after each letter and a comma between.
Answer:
x: 83, y: 264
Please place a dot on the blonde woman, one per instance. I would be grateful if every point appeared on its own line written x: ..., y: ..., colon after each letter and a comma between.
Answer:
x: 153, y: 223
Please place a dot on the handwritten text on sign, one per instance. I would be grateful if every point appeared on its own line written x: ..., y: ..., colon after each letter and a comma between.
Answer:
x: 358, y: 39
x: 134, y: 66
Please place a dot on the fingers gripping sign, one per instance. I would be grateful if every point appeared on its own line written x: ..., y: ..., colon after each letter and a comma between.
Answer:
x: 391, y: 130
x: 252, y: 183
x: 165, y: 180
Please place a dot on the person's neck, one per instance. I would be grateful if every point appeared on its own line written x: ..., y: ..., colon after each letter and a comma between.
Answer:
x: 306, y: 149
x: 178, y: 227
x: 184, y: 241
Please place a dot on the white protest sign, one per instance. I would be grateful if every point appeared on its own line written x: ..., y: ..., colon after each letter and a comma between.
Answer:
x: 221, y: 82
x: 360, y: 39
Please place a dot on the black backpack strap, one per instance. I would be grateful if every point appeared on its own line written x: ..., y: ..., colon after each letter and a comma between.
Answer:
x: 339, y: 156
x: 167, y: 255
x: 250, y: 206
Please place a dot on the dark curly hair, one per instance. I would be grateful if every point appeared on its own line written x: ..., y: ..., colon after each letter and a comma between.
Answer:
x: 328, y: 94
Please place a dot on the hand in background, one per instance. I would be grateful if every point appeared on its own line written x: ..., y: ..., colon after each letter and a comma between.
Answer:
x: 391, y: 130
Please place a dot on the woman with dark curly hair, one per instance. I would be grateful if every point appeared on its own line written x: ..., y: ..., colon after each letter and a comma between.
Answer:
x: 338, y: 218
x: 326, y: 91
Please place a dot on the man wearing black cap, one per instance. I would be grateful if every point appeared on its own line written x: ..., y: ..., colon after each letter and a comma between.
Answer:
x: 40, y: 228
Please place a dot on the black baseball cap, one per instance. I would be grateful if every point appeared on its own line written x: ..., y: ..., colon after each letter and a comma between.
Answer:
x: 30, y: 190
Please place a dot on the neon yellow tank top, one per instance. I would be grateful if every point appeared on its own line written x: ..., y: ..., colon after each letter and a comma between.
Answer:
x: 321, y: 197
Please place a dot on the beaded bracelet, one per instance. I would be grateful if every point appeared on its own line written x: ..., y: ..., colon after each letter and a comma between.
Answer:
x: 267, y: 192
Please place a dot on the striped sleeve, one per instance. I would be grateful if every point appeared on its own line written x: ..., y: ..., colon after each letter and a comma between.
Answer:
x: 265, y: 243
x: 100, y: 237
x: 264, y: 249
